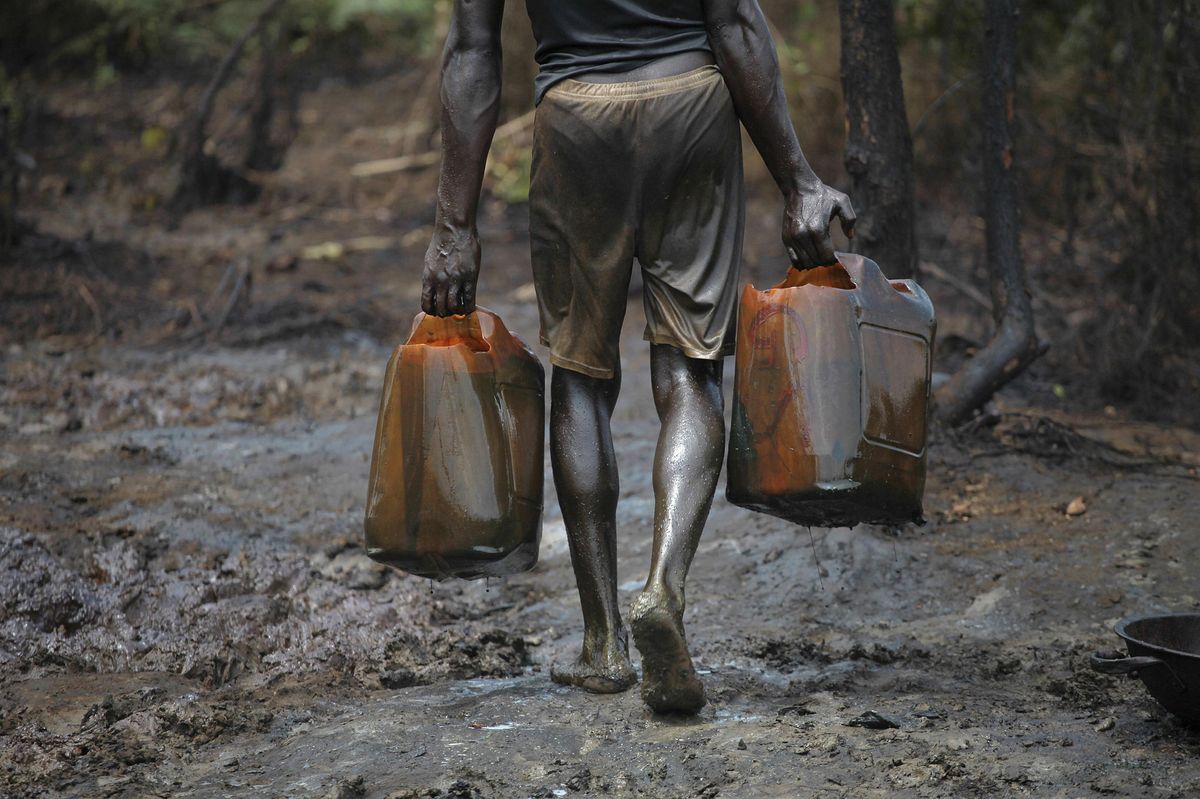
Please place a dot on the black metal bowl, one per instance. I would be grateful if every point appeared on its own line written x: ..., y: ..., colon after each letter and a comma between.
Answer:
x: 1164, y: 650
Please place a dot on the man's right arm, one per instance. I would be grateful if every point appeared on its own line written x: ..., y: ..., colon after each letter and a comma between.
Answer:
x: 470, y: 108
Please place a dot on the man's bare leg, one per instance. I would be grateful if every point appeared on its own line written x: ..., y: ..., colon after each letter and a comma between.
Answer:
x: 585, y: 476
x: 687, y: 463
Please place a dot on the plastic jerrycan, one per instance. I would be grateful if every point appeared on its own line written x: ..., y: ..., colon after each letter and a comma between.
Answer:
x: 831, y: 397
x: 456, y: 472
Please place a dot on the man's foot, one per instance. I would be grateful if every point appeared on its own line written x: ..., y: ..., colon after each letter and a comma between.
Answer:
x: 604, y: 671
x: 669, y: 680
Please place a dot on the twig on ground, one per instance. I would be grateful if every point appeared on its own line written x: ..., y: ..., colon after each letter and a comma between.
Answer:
x: 81, y: 248
x: 90, y: 300
x: 194, y: 312
x: 240, y: 284
x: 230, y: 290
x: 386, y: 166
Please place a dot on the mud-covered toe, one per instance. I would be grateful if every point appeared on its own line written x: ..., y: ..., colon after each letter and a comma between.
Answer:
x: 669, y: 680
x: 581, y: 674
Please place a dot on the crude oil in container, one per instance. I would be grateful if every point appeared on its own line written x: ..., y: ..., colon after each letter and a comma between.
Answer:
x: 831, y: 397
x: 456, y: 471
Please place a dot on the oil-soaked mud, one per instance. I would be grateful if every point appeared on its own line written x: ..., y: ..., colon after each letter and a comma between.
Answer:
x: 187, y: 611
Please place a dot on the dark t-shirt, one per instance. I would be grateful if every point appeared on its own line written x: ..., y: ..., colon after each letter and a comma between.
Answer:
x: 577, y: 36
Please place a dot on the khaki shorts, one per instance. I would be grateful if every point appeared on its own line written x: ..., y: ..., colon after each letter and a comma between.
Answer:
x: 647, y: 170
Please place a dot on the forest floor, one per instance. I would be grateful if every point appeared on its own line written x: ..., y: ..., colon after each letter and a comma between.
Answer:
x: 186, y: 608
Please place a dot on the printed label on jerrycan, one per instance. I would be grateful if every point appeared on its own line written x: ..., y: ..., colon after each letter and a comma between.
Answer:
x: 767, y: 329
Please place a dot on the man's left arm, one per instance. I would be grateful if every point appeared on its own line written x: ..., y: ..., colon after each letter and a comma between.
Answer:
x: 470, y: 108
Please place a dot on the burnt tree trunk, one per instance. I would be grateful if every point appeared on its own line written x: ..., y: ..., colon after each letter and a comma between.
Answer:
x: 262, y: 154
x: 1014, y: 345
x: 9, y: 116
x: 202, y: 177
x: 879, y: 146
x: 1176, y: 217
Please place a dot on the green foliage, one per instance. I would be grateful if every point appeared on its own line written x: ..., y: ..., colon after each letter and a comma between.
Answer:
x: 344, y: 12
x: 115, y: 34
x: 407, y: 25
x: 508, y: 171
x: 801, y: 42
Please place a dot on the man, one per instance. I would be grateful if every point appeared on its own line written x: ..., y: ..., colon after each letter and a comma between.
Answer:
x: 637, y: 155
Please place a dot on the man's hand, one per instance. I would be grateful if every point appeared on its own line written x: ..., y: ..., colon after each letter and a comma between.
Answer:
x: 807, y: 215
x: 451, y: 269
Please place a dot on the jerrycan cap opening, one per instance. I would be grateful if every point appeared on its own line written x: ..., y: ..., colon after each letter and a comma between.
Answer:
x: 452, y: 331
x: 833, y: 276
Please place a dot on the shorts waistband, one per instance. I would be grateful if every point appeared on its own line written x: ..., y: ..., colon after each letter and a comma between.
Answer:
x: 635, y: 89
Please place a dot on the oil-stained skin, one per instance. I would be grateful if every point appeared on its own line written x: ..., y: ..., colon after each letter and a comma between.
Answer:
x: 687, y: 391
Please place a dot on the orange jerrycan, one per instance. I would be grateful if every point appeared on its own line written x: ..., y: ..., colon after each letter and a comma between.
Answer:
x: 456, y: 471
x: 831, y: 397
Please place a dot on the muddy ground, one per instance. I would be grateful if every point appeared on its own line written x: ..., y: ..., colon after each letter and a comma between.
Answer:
x: 186, y: 609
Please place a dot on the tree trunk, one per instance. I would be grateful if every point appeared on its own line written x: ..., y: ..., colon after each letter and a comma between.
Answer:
x: 1176, y: 216
x: 9, y: 117
x: 262, y: 154
x: 202, y: 178
x: 1015, y: 343
x: 879, y: 146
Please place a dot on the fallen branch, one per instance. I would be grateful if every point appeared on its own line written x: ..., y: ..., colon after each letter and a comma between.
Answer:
x: 240, y: 285
x: 386, y: 166
x: 90, y: 300
x: 232, y: 289
x: 1008, y: 354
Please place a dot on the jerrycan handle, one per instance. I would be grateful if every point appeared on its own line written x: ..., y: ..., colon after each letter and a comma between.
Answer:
x: 449, y: 331
x: 867, y: 275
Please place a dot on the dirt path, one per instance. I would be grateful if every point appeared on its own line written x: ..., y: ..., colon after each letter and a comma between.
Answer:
x: 187, y: 612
